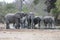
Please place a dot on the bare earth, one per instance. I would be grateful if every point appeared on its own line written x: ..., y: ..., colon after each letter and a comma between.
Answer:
x: 29, y: 34
x: 25, y: 34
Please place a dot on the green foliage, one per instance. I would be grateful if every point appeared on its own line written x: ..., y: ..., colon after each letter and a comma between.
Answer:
x: 56, y: 10
x: 10, y: 8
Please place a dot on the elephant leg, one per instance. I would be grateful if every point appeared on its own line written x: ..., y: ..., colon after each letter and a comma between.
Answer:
x: 45, y: 25
x: 29, y: 26
x: 39, y: 25
x: 7, y: 26
x: 13, y: 24
x: 22, y: 25
x: 34, y: 26
x: 50, y: 25
x: 17, y: 24
x: 54, y: 23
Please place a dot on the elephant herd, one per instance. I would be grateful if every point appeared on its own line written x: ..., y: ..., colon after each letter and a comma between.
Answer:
x: 27, y: 20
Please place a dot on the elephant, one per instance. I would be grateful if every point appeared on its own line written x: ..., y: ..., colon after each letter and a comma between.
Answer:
x: 9, y: 18
x: 18, y: 17
x: 15, y: 19
x: 30, y: 18
x: 24, y: 22
x: 48, y: 20
x: 37, y: 20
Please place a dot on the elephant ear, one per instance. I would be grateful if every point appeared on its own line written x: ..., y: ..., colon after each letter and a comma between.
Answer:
x: 17, y: 15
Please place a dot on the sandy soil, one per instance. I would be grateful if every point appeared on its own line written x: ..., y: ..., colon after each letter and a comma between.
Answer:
x: 31, y: 34
x: 28, y: 34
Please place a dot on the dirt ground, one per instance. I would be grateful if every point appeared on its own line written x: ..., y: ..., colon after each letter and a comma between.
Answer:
x: 28, y: 34
x: 31, y: 34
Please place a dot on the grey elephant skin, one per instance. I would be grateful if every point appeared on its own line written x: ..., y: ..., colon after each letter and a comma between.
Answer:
x: 15, y: 19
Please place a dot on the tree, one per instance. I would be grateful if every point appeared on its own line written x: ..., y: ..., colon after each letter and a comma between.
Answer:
x: 50, y: 5
x: 56, y: 11
x: 10, y: 8
x: 7, y: 8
